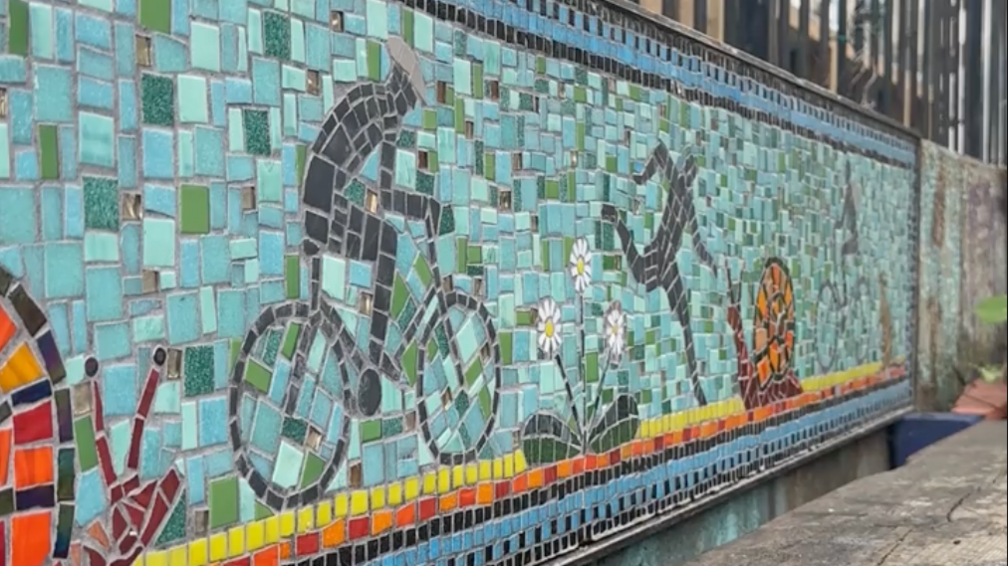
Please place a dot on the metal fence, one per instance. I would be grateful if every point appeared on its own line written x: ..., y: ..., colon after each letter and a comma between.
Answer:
x: 937, y: 66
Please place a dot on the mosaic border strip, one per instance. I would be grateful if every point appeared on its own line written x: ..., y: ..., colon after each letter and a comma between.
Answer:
x: 665, y: 65
x: 474, y: 494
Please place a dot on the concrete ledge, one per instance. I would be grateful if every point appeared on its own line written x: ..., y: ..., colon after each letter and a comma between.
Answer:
x: 946, y: 507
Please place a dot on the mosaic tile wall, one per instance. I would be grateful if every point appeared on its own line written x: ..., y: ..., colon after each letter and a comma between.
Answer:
x: 942, y: 182
x: 361, y: 282
x: 961, y: 254
x: 984, y: 251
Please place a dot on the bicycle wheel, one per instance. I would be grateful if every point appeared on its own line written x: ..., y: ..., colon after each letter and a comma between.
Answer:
x: 288, y: 405
x: 827, y: 327
x: 458, y: 376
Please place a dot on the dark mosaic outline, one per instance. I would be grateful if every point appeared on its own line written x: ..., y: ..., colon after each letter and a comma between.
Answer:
x: 548, y: 47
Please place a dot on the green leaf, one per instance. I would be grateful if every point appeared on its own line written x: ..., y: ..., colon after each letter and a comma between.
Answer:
x: 990, y: 374
x: 993, y: 310
x: 618, y: 425
x: 547, y: 439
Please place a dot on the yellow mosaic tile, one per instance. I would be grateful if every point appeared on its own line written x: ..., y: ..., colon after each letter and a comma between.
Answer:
x: 444, y: 483
x: 520, y: 464
x: 358, y: 503
x: 498, y: 468
x: 272, y: 525
x: 395, y: 493
x: 324, y: 515
x: 236, y: 541
x: 471, y: 474
x: 377, y: 498
x: 429, y: 483
x: 158, y: 558
x: 218, y: 546
x: 286, y: 523
x: 199, y: 552
x: 485, y: 470
x: 412, y: 488
x: 178, y: 556
x: 458, y: 476
x: 255, y: 535
x: 341, y: 505
x: 831, y: 380
x: 305, y: 520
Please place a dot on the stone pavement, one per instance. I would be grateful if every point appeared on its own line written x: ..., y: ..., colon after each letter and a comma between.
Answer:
x: 946, y: 507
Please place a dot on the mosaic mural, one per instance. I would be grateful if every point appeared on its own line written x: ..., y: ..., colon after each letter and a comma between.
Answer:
x: 360, y: 282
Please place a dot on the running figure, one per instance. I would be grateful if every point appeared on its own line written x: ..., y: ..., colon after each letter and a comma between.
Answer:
x: 367, y: 117
x: 657, y: 267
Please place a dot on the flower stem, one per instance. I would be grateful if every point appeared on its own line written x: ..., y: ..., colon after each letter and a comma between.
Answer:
x: 567, y: 385
x: 598, y: 397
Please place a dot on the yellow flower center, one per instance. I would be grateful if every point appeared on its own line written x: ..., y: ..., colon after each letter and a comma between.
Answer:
x: 549, y: 328
x: 580, y: 266
x: 614, y: 330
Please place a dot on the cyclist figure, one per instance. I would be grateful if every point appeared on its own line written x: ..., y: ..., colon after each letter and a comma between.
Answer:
x: 367, y: 117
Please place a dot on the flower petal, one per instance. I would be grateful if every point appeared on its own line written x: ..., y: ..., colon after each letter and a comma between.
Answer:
x: 556, y: 317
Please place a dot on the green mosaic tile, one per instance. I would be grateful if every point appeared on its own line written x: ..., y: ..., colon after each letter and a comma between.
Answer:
x: 158, y: 99
x: 294, y: 429
x: 101, y: 204
x: 257, y: 132
x: 194, y: 209
x: 276, y: 35
x: 198, y: 370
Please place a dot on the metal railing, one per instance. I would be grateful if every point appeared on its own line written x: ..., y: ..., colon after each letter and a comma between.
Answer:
x: 937, y: 66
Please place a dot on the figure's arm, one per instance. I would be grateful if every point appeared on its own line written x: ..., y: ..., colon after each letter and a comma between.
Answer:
x: 644, y: 267
x: 698, y: 244
x: 659, y: 161
x: 682, y: 177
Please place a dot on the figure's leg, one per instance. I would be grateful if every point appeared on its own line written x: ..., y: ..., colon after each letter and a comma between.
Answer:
x: 679, y: 300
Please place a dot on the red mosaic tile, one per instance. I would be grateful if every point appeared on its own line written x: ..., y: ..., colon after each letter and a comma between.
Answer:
x: 307, y: 544
x: 358, y: 528
x: 427, y: 508
x: 34, y: 425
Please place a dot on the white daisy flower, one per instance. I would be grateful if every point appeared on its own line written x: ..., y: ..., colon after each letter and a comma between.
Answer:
x: 580, y: 264
x: 548, y: 326
x: 615, y: 330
